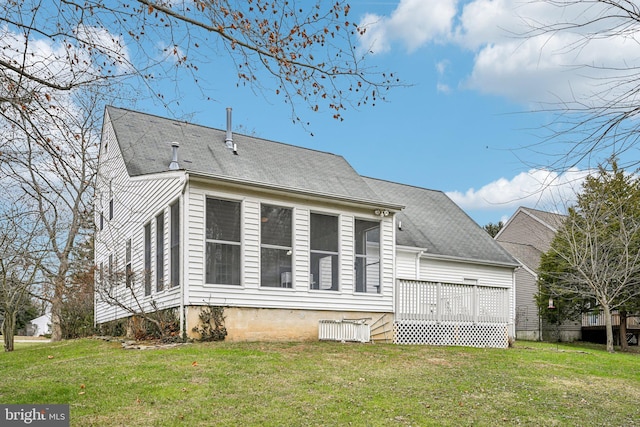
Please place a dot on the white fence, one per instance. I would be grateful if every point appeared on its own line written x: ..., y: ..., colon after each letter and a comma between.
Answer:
x: 344, y: 330
x: 451, y: 314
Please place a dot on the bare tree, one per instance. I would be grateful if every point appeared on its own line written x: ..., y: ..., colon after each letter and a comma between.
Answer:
x: 49, y: 156
x: 20, y: 259
x: 596, y: 253
x: 59, y: 60
x: 300, y: 51
x: 604, y: 119
x: 122, y: 290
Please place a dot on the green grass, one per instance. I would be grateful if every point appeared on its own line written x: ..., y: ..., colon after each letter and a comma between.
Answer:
x: 297, y: 384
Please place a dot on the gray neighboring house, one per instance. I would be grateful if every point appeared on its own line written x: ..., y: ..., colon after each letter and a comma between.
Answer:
x: 526, y: 236
x: 292, y: 242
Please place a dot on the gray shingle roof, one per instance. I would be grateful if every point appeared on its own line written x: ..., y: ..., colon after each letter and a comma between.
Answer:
x: 550, y: 219
x: 431, y: 220
x: 145, y: 142
x: 526, y: 254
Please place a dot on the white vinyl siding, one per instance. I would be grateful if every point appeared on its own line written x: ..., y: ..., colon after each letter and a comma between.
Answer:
x: 456, y: 272
x: 301, y: 247
x: 136, y: 201
x: 300, y: 296
x: 251, y: 243
x: 347, y: 254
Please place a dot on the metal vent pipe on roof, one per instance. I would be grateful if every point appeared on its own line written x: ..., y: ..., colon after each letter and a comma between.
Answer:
x: 229, y: 138
x: 174, y: 157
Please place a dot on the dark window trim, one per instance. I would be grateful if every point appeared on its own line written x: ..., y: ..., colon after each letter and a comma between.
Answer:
x: 160, y: 252
x: 174, y: 242
x: 147, y: 258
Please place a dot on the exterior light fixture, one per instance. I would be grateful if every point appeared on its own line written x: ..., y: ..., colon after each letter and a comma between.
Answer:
x: 551, y: 306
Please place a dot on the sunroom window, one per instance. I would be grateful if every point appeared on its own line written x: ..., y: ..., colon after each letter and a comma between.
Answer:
x: 160, y: 252
x: 147, y: 258
x: 275, y: 246
x: 324, y: 252
x: 367, y: 236
x: 127, y: 260
x: 223, y: 242
x: 174, y: 235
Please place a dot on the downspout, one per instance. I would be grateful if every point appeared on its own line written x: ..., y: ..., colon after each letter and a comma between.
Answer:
x: 183, y: 318
x: 418, y: 256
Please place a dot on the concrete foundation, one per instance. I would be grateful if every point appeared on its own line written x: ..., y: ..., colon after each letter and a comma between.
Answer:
x: 528, y: 335
x: 267, y: 324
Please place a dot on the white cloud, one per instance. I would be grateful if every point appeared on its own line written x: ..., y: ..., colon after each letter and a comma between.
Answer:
x: 108, y: 44
x: 537, y: 188
x: 510, y: 60
x: 62, y: 63
x: 413, y: 23
x: 441, y: 68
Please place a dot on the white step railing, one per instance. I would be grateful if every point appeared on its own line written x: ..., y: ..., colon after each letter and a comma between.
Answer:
x: 344, y: 330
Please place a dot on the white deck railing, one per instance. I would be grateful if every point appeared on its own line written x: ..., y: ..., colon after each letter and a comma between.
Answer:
x: 451, y: 314
x: 448, y: 302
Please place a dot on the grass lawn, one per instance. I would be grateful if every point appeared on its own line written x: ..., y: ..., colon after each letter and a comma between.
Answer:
x: 321, y: 383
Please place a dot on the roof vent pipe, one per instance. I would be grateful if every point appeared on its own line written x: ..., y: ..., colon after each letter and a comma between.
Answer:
x: 229, y: 138
x: 174, y: 157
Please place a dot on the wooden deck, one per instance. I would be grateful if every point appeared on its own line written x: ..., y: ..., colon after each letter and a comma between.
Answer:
x: 593, y: 328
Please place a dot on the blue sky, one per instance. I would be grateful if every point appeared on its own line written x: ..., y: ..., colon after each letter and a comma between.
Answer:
x: 463, y: 123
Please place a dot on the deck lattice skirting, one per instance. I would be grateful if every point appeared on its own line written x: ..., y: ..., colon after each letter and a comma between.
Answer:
x: 451, y: 314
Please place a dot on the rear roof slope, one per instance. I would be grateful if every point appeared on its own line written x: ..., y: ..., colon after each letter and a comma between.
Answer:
x: 145, y: 142
x: 431, y: 220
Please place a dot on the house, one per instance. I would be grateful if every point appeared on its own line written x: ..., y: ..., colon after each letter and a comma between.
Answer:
x: 526, y: 236
x: 286, y: 239
x: 40, y: 325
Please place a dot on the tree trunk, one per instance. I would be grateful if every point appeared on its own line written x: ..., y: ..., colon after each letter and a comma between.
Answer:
x: 624, y: 346
x: 608, y: 328
x: 56, y: 318
x: 56, y: 308
x: 8, y: 330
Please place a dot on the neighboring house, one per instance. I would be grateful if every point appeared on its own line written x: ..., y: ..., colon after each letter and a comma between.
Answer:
x: 40, y: 325
x: 286, y: 239
x: 526, y: 236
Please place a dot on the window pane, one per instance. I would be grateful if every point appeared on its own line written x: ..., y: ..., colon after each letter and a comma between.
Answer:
x: 147, y: 259
x: 275, y: 225
x: 367, y: 256
x: 324, y: 233
x: 127, y: 254
x: 223, y: 264
x: 368, y: 274
x: 175, y: 244
x: 324, y: 271
x: 367, y: 233
x: 160, y: 252
x: 128, y: 270
x: 223, y: 220
x: 275, y: 268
